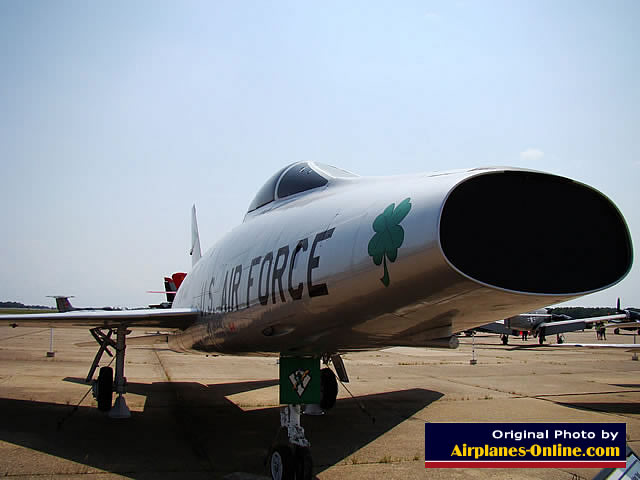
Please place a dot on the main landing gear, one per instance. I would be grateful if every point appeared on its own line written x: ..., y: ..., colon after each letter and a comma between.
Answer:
x: 104, y: 387
x: 301, y: 383
x: 541, y: 336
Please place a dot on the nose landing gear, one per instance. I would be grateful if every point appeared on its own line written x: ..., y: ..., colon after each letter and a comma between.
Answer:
x: 290, y: 456
x: 300, y: 384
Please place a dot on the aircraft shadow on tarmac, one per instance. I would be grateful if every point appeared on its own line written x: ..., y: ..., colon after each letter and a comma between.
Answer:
x: 606, y: 407
x: 626, y: 385
x: 192, y: 428
x: 509, y: 347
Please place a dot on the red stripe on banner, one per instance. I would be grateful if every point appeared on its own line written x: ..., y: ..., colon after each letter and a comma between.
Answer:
x: 516, y: 464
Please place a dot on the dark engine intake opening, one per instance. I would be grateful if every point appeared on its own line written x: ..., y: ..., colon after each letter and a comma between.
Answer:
x: 536, y: 233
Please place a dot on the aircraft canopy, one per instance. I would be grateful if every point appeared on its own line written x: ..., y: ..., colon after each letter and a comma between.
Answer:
x: 296, y: 178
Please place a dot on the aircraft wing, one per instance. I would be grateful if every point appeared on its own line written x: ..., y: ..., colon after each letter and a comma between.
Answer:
x: 168, y: 318
x: 495, y: 327
x: 572, y: 325
x: 623, y: 325
x: 605, y: 318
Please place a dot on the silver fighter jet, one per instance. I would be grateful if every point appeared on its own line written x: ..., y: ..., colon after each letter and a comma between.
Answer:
x: 327, y: 262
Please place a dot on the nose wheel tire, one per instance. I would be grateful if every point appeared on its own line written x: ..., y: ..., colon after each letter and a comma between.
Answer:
x: 290, y: 462
x: 304, y: 464
x: 282, y: 463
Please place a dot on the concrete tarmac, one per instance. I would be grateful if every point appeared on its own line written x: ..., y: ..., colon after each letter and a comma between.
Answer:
x: 214, y: 417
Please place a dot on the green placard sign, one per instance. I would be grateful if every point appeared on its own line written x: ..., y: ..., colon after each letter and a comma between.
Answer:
x: 299, y: 380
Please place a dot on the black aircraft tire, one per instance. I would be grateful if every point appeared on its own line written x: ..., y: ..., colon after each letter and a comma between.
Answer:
x: 304, y: 464
x: 505, y: 339
x: 282, y: 464
x: 328, y: 389
x: 105, y: 389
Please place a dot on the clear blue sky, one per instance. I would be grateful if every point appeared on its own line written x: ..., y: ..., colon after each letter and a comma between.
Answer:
x: 116, y: 116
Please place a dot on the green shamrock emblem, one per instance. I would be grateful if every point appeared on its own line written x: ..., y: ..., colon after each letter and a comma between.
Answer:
x: 389, y: 235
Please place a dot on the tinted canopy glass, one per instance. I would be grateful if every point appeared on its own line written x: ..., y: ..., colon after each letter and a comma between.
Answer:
x: 267, y: 193
x: 299, y: 178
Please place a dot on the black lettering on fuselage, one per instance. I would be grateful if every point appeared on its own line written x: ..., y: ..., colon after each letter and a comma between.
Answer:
x: 237, y: 275
x: 223, y: 302
x: 254, y: 262
x: 229, y: 299
x: 210, y: 294
x: 264, y: 299
x: 314, y: 262
x: 296, y: 293
x: 267, y: 280
x: 278, y: 271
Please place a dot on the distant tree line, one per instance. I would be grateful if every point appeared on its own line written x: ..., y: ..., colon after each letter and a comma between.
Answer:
x: 22, y: 305
x: 584, y: 312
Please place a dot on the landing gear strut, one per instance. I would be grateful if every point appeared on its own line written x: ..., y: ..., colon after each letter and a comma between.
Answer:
x: 541, y: 336
x: 290, y: 456
x: 104, y: 387
x: 300, y: 384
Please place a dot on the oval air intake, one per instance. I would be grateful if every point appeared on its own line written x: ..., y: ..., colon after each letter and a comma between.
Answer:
x: 534, y: 233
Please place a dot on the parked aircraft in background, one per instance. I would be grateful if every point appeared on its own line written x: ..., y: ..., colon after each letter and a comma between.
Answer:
x: 541, y: 323
x: 171, y: 285
x: 64, y: 305
x: 532, y: 322
x: 326, y: 262
x: 630, y: 323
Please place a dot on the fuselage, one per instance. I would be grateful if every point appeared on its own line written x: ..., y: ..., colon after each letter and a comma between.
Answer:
x: 364, y: 263
x: 527, y: 321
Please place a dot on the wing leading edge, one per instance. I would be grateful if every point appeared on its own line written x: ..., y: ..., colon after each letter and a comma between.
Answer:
x: 579, y: 323
x: 170, y: 318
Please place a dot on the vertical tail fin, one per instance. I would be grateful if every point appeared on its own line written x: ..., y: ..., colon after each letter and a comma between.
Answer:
x: 178, y: 278
x: 195, y: 238
x: 170, y: 289
x: 62, y: 303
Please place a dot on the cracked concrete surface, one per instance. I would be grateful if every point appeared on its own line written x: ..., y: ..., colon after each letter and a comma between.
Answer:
x: 214, y: 417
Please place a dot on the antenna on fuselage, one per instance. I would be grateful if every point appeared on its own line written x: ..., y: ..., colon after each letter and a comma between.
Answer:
x: 195, y: 238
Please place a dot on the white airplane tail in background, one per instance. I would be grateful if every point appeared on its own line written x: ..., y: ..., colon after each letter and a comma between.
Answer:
x: 62, y: 302
x: 195, y: 238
